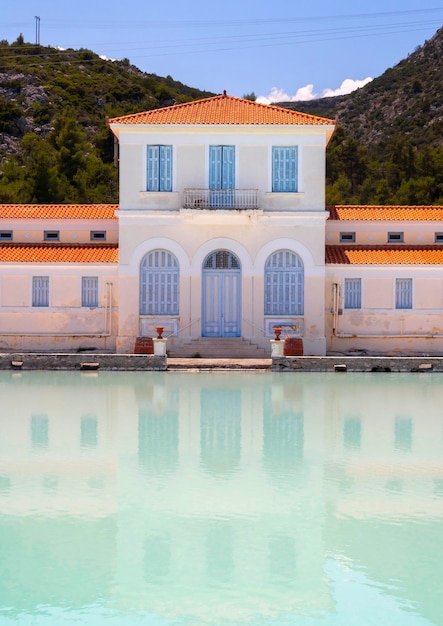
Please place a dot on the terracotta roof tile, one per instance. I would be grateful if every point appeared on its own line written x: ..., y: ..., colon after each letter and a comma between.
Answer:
x: 384, y: 255
x: 385, y: 213
x: 58, y: 211
x: 222, y: 110
x: 58, y: 253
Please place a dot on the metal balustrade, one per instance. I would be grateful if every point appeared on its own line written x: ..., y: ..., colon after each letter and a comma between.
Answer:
x: 220, y: 198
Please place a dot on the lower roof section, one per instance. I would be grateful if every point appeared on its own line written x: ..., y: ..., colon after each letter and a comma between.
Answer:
x: 384, y: 255
x: 58, y: 253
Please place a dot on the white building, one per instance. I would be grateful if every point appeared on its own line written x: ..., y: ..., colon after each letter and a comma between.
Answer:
x: 221, y: 231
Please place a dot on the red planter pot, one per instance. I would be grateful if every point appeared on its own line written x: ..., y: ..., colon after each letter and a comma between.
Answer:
x: 293, y: 346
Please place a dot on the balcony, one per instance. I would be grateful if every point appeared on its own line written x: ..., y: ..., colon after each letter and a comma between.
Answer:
x: 220, y: 198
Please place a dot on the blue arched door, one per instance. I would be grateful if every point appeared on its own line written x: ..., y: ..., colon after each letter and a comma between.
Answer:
x: 221, y: 295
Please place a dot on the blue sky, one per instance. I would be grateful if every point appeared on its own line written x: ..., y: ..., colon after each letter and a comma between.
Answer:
x: 287, y: 50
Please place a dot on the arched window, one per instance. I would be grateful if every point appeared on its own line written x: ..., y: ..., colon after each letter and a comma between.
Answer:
x: 159, y: 274
x: 284, y: 284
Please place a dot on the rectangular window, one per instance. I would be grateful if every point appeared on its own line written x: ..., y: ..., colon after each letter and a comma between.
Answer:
x: 159, y: 175
x: 395, y: 237
x: 438, y: 237
x: 5, y: 235
x: 51, y: 235
x: 40, y: 291
x: 285, y: 168
x: 403, y: 293
x: 98, y: 235
x: 89, y: 291
x: 347, y: 237
x: 352, y: 293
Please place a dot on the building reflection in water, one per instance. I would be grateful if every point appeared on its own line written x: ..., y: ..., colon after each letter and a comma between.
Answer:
x: 220, y: 430
x: 283, y: 429
x: 158, y: 429
x: 222, y: 497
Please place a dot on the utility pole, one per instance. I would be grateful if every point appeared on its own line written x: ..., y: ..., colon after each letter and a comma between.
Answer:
x: 37, y: 30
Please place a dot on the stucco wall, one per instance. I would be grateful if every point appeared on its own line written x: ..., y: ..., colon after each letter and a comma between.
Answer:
x: 253, y: 156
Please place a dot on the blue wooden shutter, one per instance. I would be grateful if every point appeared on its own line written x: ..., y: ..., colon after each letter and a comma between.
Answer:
x: 215, y: 168
x: 40, y: 291
x: 89, y: 291
x: 403, y: 293
x: 284, y: 168
x: 228, y: 167
x: 153, y: 168
x: 165, y: 174
x: 352, y: 293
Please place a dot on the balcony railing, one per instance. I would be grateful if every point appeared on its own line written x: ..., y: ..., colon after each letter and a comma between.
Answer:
x: 220, y: 199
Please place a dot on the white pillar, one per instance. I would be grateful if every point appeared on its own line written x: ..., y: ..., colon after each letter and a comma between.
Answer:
x: 159, y: 347
x: 277, y: 347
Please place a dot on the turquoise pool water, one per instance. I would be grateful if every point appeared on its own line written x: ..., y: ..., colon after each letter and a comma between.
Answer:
x: 221, y: 499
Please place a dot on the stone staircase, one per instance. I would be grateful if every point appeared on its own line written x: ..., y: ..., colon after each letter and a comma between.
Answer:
x: 219, y: 348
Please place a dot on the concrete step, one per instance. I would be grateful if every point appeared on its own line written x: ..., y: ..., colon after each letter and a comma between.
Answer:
x: 220, y: 348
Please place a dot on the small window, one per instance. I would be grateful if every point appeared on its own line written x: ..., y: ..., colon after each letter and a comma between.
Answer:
x: 51, y: 235
x: 5, y: 235
x: 89, y: 291
x: 347, y: 237
x: 403, y: 293
x: 352, y: 293
x: 40, y: 291
x: 395, y: 237
x: 98, y: 235
x: 438, y: 237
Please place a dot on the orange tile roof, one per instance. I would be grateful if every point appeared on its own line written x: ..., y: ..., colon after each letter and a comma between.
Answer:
x: 58, y: 211
x: 386, y: 213
x: 58, y: 253
x: 384, y: 255
x: 222, y: 110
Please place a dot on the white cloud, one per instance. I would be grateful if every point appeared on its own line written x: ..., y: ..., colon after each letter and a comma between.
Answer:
x: 307, y: 92
x: 347, y: 86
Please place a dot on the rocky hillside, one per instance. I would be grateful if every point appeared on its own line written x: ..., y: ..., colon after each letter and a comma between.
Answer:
x: 37, y: 83
x: 55, y: 146
x: 406, y: 99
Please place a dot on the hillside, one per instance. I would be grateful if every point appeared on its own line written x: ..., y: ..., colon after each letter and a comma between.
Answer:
x: 54, y: 142
x: 406, y: 99
x: 388, y: 147
x: 55, y: 146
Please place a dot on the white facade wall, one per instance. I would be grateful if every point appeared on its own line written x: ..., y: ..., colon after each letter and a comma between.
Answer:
x: 190, y: 167
x: 64, y: 324
x: 74, y: 231
x: 378, y: 326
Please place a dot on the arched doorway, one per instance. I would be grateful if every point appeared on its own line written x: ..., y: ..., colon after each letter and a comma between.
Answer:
x: 221, y: 295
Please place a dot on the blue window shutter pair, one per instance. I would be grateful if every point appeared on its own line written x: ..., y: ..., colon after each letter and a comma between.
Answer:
x: 221, y: 167
x: 284, y: 284
x: 159, y: 168
x: 159, y: 284
x: 285, y: 168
